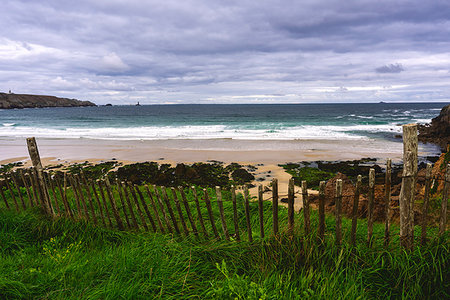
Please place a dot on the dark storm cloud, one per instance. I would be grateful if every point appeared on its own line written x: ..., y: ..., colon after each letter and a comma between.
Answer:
x: 195, y: 51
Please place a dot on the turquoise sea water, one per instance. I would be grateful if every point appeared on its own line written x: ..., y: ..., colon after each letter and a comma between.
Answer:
x: 255, y: 122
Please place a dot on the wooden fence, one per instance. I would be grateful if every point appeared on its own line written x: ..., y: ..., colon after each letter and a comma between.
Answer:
x: 219, y: 214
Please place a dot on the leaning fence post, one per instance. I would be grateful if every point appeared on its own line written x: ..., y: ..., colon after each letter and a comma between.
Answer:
x: 355, y: 210
x: 11, y: 193
x: 321, y: 233
x: 2, y: 183
x: 180, y: 212
x: 210, y: 214
x: 408, y: 189
x: 338, y: 219
x: 17, y: 186
x: 235, y: 215
x: 306, y: 208
x: 188, y: 210
x: 426, y: 198
x: 275, y: 205
x: 291, y: 207
x: 370, y: 207
x: 443, y: 218
x: 247, y: 214
x: 221, y: 212
x: 387, y: 203
x: 36, y: 161
x: 261, y: 210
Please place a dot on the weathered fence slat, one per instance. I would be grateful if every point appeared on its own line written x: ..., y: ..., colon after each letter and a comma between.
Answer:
x: 170, y: 210
x: 163, y: 209
x: 26, y: 178
x: 80, y: 192
x: 387, y: 203
x: 138, y: 207
x: 89, y: 196
x: 370, y: 207
x: 275, y: 205
x: 291, y: 200
x: 321, y: 230
x: 75, y: 194
x: 235, y: 214
x: 112, y: 200
x: 443, y: 217
x: 11, y: 192
x: 222, y: 214
x: 34, y: 185
x: 247, y: 214
x: 144, y: 205
x: 155, y: 210
x: 210, y: 214
x: 261, y: 210
x: 63, y: 195
x: 188, y: 210
x: 199, y: 211
x: 426, y: 198
x: 46, y: 177
x: 338, y: 215
x: 306, y: 208
x: 123, y: 205
x: 105, y: 206
x: 2, y: 184
x: 355, y: 210
x: 17, y: 186
x: 51, y: 180
x: 180, y: 212
x: 123, y: 185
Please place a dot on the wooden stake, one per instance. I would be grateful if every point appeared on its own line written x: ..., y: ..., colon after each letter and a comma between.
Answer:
x: 47, y: 191
x: 210, y: 214
x: 291, y: 207
x: 306, y: 208
x: 17, y: 186
x: 370, y: 207
x: 155, y: 210
x: 105, y: 206
x: 34, y: 185
x: 188, y: 210
x: 180, y: 212
x: 235, y: 215
x: 51, y: 180
x: 170, y: 210
x: 89, y: 196
x: 122, y: 202
x: 112, y: 200
x: 247, y: 214
x: 75, y: 194
x: 163, y: 209
x: 261, y: 210
x: 443, y: 217
x: 426, y: 199
x: 321, y: 231
x: 130, y: 206
x: 408, y: 189
x: 136, y: 201
x: 275, y: 205
x: 62, y: 193
x: 144, y: 205
x: 11, y: 193
x: 222, y: 214
x: 199, y: 211
x: 338, y: 202
x: 25, y: 179
x: 81, y: 195
x: 387, y: 203
x: 2, y: 183
x: 355, y: 210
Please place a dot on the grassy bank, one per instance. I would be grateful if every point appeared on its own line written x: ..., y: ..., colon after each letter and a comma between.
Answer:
x: 70, y: 260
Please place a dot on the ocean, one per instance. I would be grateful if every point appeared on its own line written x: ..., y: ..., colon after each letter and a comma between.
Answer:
x: 240, y: 122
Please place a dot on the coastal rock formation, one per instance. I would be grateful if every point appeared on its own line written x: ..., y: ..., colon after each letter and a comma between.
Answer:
x: 438, y: 132
x: 9, y: 101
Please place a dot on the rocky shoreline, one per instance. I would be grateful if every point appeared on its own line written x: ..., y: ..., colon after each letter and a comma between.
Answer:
x: 438, y: 131
x: 11, y: 101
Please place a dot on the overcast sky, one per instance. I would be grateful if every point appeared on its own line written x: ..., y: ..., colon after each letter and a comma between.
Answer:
x: 305, y: 51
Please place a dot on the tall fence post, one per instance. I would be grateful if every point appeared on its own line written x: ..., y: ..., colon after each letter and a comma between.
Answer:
x: 291, y: 200
x: 443, y: 217
x: 36, y: 161
x: 426, y: 198
x: 370, y: 207
x: 275, y: 205
x: 321, y: 230
x: 306, y: 208
x: 407, y: 192
x: 338, y: 211
x: 355, y: 210
x: 387, y: 202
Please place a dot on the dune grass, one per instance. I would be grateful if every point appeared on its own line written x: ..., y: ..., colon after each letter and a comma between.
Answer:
x: 66, y: 259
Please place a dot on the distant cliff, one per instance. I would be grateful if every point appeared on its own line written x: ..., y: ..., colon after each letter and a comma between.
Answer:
x: 438, y: 132
x: 8, y: 101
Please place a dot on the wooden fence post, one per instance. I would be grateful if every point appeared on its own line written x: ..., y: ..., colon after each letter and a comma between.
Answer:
x: 443, y: 217
x: 138, y: 207
x: 51, y: 180
x: 11, y: 193
x: 387, y: 203
x: 235, y: 215
x: 408, y: 189
x: 426, y: 198
x: 180, y: 212
x: 261, y: 210
x: 27, y: 187
x: 321, y: 231
x: 306, y: 208
x: 355, y: 210
x: 222, y: 214
x: 88, y: 192
x: 2, y: 183
x: 210, y: 214
x: 36, y: 161
x: 370, y: 207
x: 291, y: 207
x: 155, y: 209
x: 338, y: 216
x: 161, y: 207
x: 188, y: 210
x: 170, y: 210
x: 199, y: 211
x: 247, y: 214
x: 145, y: 206
x: 130, y: 205
x: 275, y: 205
x: 102, y: 195
x: 17, y: 186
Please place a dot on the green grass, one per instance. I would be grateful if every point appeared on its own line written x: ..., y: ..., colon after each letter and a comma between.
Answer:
x: 66, y: 259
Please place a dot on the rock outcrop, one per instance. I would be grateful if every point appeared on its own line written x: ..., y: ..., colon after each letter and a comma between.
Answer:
x: 438, y: 132
x: 9, y: 101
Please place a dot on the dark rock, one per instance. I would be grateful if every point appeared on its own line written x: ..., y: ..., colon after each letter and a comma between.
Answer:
x: 438, y: 132
x: 10, y: 101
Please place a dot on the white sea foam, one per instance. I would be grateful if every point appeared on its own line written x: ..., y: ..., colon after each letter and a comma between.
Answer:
x: 8, y: 124
x: 349, y: 132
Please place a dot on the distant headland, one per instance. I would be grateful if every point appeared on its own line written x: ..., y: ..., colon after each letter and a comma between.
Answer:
x: 11, y: 100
